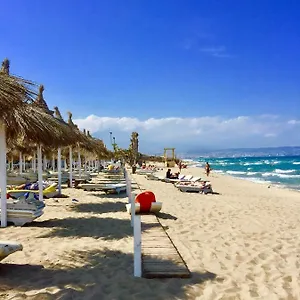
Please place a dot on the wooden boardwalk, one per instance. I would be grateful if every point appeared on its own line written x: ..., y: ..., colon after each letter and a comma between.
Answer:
x: 160, y: 258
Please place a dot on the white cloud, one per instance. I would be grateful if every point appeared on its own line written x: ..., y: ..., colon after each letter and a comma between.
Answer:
x: 197, y: 133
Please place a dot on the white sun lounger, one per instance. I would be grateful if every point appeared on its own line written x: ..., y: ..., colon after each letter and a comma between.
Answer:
x: 155, y: 207
x: 186, y: 180
x: 144, y: 172
x: 117, y: 187
x: 154, y: 177
x: 9, y: 247
x: 180, y: 179
x: 195, y: 188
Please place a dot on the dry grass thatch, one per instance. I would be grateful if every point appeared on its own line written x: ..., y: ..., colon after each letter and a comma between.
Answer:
x: 14, y: 91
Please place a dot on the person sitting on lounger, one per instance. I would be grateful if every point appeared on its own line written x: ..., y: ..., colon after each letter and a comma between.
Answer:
x: 172, y: 176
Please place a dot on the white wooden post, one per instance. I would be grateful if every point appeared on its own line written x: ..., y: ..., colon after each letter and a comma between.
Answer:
x: 59, y: 169
x: 79, y: 162
x: 85, y: 165
x: 137, y: 260
x: 71, y: 166
x: 24, y: 163
x: 34, y: 162
x: 40, y: 172
x: 20, y: 163
x: 44, y: 163
x: 53, y: 163
x: 3, y: 176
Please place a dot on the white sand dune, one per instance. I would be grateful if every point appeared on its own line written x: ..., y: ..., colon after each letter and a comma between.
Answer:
x: 241, y: 244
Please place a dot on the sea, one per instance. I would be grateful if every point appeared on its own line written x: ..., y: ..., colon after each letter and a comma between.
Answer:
x: 281, y: 170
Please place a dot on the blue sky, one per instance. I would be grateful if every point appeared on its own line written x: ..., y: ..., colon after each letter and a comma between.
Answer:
x: 160, y: 59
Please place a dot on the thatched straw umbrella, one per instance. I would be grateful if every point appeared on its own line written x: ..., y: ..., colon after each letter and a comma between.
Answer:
x: 74, y: 136
x: 18, y: 118
x: 83, y: 142
x: 63, y: 137
x: 14, y: 93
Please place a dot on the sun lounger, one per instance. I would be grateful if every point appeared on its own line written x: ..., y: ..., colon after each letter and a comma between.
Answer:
x: 187, y: 180
x: 116, y: 187
x: 9, y: 247
x: 184, y: 178
x: 154, y: 177
x: 49, y: 192
x: 144, y: 172
x: 155, y: 207
x: 22, y: 210
x: 204, y: 188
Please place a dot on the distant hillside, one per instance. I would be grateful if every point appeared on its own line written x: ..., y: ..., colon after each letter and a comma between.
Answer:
x: 242, y: 152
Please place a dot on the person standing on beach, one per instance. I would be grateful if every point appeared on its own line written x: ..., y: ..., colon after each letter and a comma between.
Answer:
x: 207, y: 169
x: 180, y: 166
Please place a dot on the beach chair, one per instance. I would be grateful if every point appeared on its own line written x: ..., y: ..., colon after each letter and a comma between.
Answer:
x: 181, y: 178
x: 203, y: 188
x: 188, y: 180
x: 115, y: 187
x: 9, y: 247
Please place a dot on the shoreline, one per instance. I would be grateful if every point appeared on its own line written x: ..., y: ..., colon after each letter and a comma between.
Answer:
x: 251, y: 179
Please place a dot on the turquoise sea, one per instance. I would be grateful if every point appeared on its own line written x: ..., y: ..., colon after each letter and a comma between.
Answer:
x: 278, y: 170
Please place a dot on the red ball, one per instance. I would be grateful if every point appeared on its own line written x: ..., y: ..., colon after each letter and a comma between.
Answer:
x: 145, y: 200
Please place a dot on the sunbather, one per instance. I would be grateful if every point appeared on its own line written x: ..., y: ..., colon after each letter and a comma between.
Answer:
x: 172, y: 176
x: 31, y: 186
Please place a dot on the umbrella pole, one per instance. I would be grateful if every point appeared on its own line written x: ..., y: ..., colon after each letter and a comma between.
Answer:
x: 12, y: 164
x: 65, y: 164
x: 3, y: 176
x: 40, y: 172
x: 20, y: 163
x: 24, y: 163
x: 53, y: 163
x: 85, y: 165
x: 44, y: 163
x: 34, y: 162
x: 59, y: 169
x: 79, y: 162
x: 71, y: 166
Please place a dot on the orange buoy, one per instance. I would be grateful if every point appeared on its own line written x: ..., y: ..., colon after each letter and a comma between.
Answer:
x: 145, y: 200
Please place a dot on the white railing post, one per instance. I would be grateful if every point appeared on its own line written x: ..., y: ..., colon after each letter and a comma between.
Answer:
x: 136, y: 224
x: 137, y: 260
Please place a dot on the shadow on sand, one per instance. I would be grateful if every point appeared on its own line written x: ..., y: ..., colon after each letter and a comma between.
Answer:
x: 106, y: 228
x: 100, y: 208
x: 102, y: 274
x: 102, y: 195
x: 166, y: 216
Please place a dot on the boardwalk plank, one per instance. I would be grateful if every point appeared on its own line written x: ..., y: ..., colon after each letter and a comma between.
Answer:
x: 160, y: 258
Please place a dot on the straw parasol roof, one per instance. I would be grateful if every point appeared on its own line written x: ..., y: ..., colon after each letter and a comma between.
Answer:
x: 59, y: 132
x: 14, y: 91
x: 74, y: 133
x: 85, y: 142
x: 19, y: 117
x: 41, y: 103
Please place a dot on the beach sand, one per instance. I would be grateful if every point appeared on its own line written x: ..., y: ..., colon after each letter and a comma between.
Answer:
x: 242, y: 243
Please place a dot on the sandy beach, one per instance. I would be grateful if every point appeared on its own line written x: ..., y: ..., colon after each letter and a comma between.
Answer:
x: 241, y: 243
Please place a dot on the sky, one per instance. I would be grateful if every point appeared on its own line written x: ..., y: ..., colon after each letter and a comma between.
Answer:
x: 188, y: 74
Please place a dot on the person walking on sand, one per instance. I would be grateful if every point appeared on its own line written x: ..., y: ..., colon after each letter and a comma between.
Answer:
x: 207, y: 169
